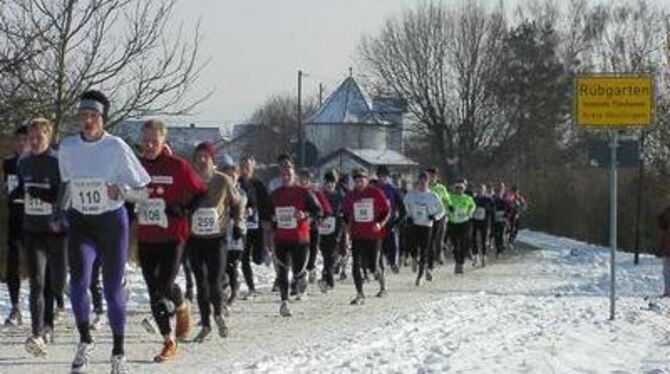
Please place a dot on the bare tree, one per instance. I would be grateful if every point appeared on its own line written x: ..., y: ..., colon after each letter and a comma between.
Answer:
x: 131, y: 49
x: 276, y: 126
x: 440, y: 61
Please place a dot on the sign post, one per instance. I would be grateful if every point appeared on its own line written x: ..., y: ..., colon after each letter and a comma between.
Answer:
x: 613, y: 177
x: 614, y: 103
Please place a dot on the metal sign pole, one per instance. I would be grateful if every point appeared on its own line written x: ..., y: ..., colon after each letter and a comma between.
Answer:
x: 613, y: 220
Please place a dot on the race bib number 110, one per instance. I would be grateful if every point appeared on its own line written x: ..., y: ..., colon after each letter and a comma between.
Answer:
x: 89, y: 196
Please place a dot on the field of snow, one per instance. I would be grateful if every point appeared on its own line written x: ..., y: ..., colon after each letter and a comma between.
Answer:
x: 535, y: 310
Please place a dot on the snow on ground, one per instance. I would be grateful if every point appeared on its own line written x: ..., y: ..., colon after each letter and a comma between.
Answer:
x: 543, y: 310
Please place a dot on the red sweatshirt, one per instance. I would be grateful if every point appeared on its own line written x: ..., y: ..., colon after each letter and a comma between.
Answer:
x: 364, y: 209
x: 286, y: 202
x: 175, y: 184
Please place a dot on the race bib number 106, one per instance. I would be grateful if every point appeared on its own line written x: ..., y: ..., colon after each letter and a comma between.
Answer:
x: 153, y: 213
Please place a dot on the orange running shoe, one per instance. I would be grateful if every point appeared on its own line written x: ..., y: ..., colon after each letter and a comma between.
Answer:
x: 183, y: 316
x: 169, y: 351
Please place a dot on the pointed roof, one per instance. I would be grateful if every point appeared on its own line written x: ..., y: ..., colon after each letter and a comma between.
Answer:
x: 346, y: 105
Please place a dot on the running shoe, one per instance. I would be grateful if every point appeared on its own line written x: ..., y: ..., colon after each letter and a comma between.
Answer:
x: 168, y: 352
x: 284, y: 310
x: 81, y: 358
x: 119, y: 365
x: 36, y: 346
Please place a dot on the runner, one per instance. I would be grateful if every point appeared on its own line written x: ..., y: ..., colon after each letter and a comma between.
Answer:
x: 305, y: 180
x: 283, y: 161
x: 404, y: 229
x: 44, y: 247
x: 500, y: 212
x: 258, y: 222
x: 162, y: 232
x: 440, y: 227
x: 481, y: 222
x: 329, y: 230
x: 15, y: 223
x: 517, y: 205
x: 99, y: 169
x: 390, y: 243
x: 207, y: 245
x: 366, y: 212
x: 292, y: 206
x: 234, y: 231
x: 424, y: 208
x: 459, y: 224
x: 344, y: 242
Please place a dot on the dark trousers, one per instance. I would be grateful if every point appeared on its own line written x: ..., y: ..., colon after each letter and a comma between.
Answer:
x: 233, y: 259
x: 421, y: 236
x: 328, y: 252
x: 46, y: 255
x: 253, y: 251
x: 160, y: 265
x: 13, y: 271
x: 365, y: 256
x: 314, y: 239
x: 208, y: 258
x: 498, y: 236
x: 438, y: 237
x: 390, y: 247
x: 188, y: 274
x: 479, y: 236
x: 460, y: 237
x: 293, y: 255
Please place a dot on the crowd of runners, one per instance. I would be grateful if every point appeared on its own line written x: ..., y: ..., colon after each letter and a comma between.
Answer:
x: 72, y: 210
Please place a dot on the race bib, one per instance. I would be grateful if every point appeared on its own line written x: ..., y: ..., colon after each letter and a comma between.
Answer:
x: 286, y: 218
x: 252, y: 220
x: 89, y: 196
x: 500, y: 215
x: 327, y: 226
x: 461, y: 215
x: 12, y: 183
x: 420, y: 213
x: 364, y: 211
x: 152, y: 213
x: 480, y: 214
x: 36, y: 207
x: 206, y: 222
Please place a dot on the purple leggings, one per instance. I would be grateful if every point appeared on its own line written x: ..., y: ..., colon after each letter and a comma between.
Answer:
x: 104, y: 235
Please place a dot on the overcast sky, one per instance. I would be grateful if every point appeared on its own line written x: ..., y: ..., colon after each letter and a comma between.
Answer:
x: 257, y: 46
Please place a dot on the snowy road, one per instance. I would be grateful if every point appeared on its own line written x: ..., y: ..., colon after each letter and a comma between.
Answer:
x: 538, y: 311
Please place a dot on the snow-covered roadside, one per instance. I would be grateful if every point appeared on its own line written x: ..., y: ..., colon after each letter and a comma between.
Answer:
x: 534, y: 311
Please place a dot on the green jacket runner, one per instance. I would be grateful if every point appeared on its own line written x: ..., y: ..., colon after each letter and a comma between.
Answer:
x: 463, y: 208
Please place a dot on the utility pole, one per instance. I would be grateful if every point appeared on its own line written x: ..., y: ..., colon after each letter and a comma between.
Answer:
x: 321, y: 89
x: 301, y: 132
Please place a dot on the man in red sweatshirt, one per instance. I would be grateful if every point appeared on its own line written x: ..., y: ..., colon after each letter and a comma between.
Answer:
x: 367, y: 212
x: 292, y: 206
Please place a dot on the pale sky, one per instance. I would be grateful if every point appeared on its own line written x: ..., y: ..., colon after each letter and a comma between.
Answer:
x: 257, y: 46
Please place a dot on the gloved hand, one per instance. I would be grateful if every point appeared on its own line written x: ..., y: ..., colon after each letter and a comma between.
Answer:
x: 176, y: 211
x: 237, y: 233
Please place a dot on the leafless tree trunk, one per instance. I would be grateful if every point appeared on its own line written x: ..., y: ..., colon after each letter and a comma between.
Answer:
x: 439, y: 60
x: 130, y: 49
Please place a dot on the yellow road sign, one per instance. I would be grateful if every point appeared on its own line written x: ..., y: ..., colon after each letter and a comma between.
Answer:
x: 608, y: 101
